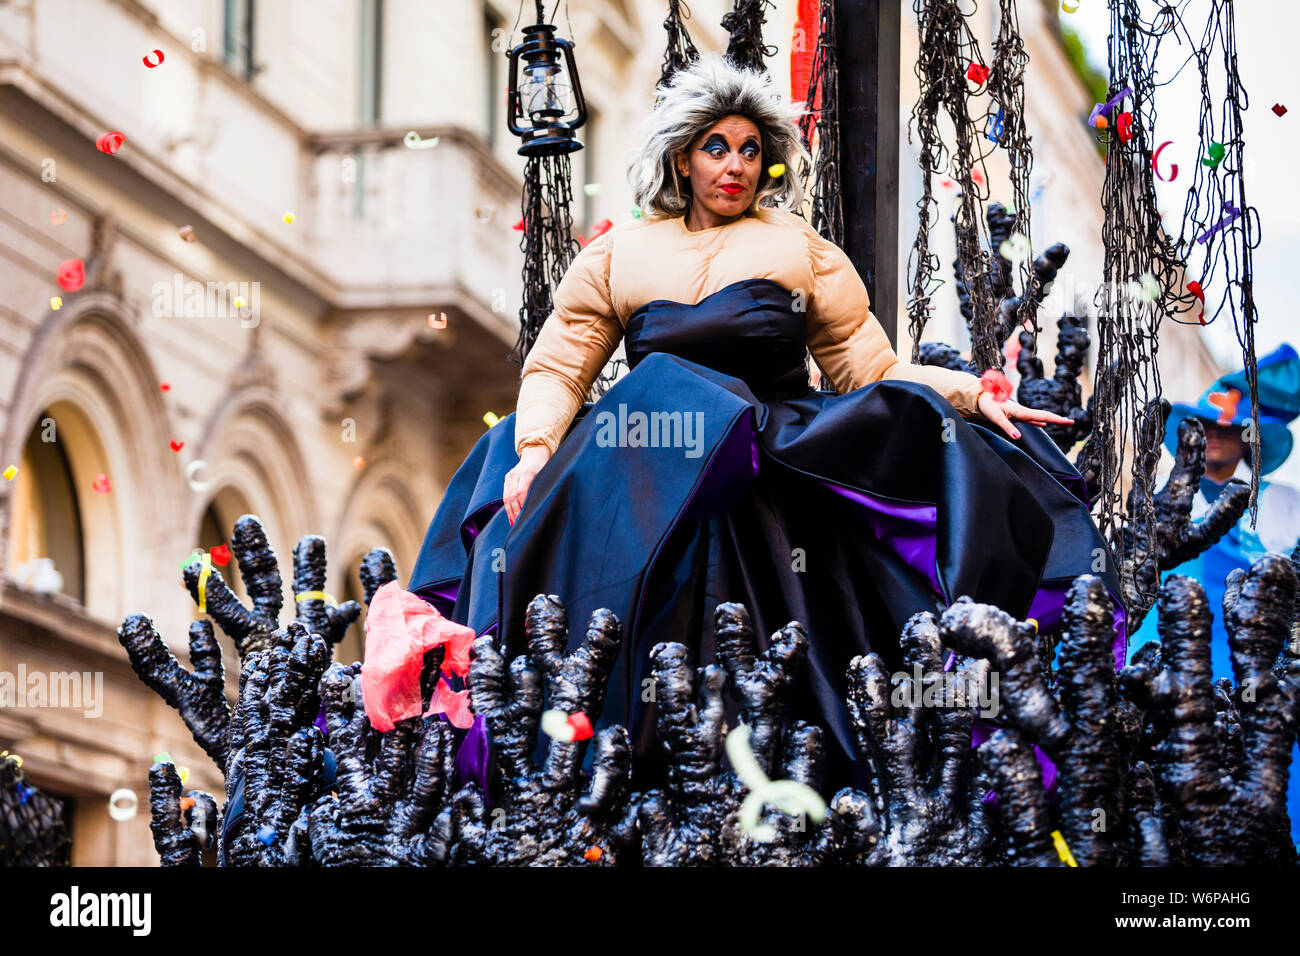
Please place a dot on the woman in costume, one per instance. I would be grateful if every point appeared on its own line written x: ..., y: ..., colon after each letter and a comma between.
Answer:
x: 712, y: 471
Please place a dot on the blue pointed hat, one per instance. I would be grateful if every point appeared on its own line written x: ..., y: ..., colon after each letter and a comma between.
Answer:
x: 1278, y: 381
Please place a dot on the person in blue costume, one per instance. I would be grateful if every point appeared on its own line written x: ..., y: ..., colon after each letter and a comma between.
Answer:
x: 1224, y: 411
x: 713, y: 471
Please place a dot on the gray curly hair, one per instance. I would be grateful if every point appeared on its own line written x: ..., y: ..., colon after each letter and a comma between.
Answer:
x: 695, y: 99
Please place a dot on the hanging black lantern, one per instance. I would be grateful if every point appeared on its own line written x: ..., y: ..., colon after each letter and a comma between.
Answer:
x: 547, y: 95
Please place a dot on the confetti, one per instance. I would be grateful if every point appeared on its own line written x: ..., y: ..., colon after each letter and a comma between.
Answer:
x: 438, y: 321
x: 110, y: 142
x: 72, y: 275
x: 789, y: 796
x: 1015, y: 248
x: 1279, y: 109
x: 1124, y: 126
x: 1150, y: 287
x: 1216, y: 156
x: 566, y: 727
x: 58, y: 217
x: 1226, y: 403
x: 593, y: 854
x: 10, y: 472
x: 1095, y: 118
x: 163, y: 757
x: 316, y: 596
x: 266, y: 835
x: 205, y: 572
x: 165, y: 386
x: 1232, y: 213
x: 158, y: 54
x: 490, y: 419
x: 239, y: 303
x: 358, y: 463
x: 1063, y: 849
x: 187, y: 233
x: 996, y: 383
x: 977, y: 73
x: 288, y: 218
x: 185, y: 774
x: 1195, y: 289
x: 1068, y: 9
x: 56, y: 303
x: 122, y: 804
x: 776, y: 170
x: 186, y: 803
x: 220, y: 555
x: 102, y: 484
x: 176, y: 445
x: 993, y: 128
x: 591, y: 189
x: 1155, y: 158
x: 636, y: 212
x: 520, y: 226
x: 190, y: 469
x: 413, y: 141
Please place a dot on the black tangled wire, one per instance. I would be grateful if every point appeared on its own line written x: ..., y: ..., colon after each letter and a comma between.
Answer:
x: 1139, y: 250
x: 680, y: 52
x: 745, y: 26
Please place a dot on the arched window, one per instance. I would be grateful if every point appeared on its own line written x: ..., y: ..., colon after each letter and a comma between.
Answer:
x: 353, y: 647
x: 47, y: 517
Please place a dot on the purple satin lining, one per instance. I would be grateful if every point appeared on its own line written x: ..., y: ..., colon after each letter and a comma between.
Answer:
x: 981, y: 732
x: 320, y: 721
x: 1048, y: 609
x: 442, y: 596
x: 910, y: 530
x: 472, y: 758
x: 734, y: 465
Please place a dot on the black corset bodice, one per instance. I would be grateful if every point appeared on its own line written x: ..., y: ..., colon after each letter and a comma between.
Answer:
x: 749, y: 330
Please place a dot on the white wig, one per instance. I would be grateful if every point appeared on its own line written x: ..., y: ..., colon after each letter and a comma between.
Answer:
x: 695, y: 99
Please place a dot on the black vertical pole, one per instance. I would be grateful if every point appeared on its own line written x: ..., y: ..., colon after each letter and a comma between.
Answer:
x: 866, y: 48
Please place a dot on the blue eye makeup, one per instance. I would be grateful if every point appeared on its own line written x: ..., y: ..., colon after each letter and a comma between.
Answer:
x: 750, y: 150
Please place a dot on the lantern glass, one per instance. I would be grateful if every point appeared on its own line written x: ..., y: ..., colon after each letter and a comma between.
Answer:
x: 544, y: 93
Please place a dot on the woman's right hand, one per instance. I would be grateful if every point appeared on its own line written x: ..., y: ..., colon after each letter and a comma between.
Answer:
x: 520, y: 478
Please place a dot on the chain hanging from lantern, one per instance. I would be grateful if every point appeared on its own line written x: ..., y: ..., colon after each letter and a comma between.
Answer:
x: 546, y: 110
x: 680, y: 52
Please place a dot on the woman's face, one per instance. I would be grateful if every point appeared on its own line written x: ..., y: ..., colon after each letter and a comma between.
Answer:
x: 723, y: 167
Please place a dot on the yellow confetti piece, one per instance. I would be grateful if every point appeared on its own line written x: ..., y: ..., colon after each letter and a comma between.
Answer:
x: 204, y: 572
x: 288, y: 218
x: 239, y: 303
x: 491, y: 419
x: 56, y: 303
x: 1062, y: 849
x: 316, y: 596
x: 10, y: 472
x: 776, y: 170
x: 185, y: 774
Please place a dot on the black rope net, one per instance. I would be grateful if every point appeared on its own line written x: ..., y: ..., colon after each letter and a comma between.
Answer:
x: 948, y: 62
x: 745, y: 26
x: 1224, y: 254
x: 1139, y: 251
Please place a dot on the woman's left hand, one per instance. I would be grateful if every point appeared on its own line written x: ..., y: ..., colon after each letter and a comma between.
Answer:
x: 1003, y: 413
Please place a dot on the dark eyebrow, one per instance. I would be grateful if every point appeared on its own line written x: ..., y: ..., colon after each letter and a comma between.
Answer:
x: 723, y: 141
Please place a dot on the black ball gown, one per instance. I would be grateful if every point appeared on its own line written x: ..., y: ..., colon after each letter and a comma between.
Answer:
x: 848, y: 513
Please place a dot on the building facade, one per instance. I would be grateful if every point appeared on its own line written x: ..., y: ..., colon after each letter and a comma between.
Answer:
x: 283, y: 362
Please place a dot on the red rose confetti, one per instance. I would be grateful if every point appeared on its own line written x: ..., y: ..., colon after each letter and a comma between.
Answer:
x: 158, y: 54
x: 72, y: 274
x: 58, y: 217
x: 997, y: 383
x: 110, y: 142
x: 1195, y: 289
x: 102, y: 484
x: 177, y: 445
x: 220, y: 555
x: 1279, y: 109
x: 165, y: 386
x: 976, y: 73
x: 1124, y: 126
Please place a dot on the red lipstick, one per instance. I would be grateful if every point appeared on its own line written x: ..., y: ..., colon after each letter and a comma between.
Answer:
x: 732, y: 188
